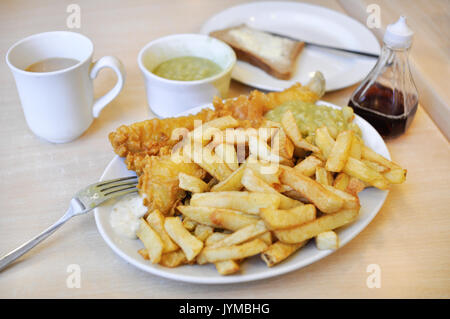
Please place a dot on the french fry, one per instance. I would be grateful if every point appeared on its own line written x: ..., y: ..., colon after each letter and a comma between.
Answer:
x: 189, y: 224
x: 308, y: 166
x: 214, y: 166
x: 242, y: 235
x: 355, y: 186
x: 238, y: 136
x: 371, y: 155
x: 209, y: 161
x: 282, y: 219
x: 291, y: 129
x: 375, y: 166
x: 234, y: 252
x: 202, y: 232
x: 218, y: 239
x: 151, y: 240
x: 293, y: 194
x: 255, y: 184
x: 204, y: 132
x: 324, y: 223
x: 316, y: 193
x: 340, y: 152
x: 261, y: 150
x: 217, y: 217
x: 232, y: 182
x: 327, y: 240
x: 241, y: 136
x: 264, y: 133
x: 227, y: 153
x: 323, y: 176
x: 144, y: 253
x: 227, y: 267
x: 356, y: 149
x: 266, y: 237
x: 350, y: 201
x: 247, y: 202
x: 279, y: 251
x: 212, y: 137
x: 395, y: 175
x: 282, y: 145
x: 268, y: 172
x: 269, y: 123
x: 156, y: 220
x: 215, y: 237
x: 173, y: 259
x: 218, y: 137
x: 358, y: 169
x: 282, y: 188
x: 212, y: 182
x: 190, y: 245
x: 341, y: 181
x: 324, y: 141
x: 191, y: 183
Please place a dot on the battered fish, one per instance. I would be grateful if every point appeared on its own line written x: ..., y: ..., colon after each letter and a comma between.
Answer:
x: 158, y: 182
x: 251, y: 109
x: 151, y: 137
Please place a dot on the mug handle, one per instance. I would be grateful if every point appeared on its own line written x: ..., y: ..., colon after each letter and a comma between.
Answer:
x: 117, y: 66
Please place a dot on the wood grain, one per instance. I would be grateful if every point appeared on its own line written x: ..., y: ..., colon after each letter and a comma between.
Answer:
x: 408, y: 238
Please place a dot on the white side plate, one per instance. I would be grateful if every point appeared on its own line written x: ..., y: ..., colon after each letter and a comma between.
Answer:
x: 309, y: 23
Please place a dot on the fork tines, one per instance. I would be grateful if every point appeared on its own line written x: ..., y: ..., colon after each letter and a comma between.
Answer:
x: 112, y: 181
x: 118, y: 185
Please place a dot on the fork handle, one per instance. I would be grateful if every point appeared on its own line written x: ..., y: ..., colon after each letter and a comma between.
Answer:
x: 19, y: 251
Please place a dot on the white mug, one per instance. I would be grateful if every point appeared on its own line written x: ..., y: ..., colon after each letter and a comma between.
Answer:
x: 59, y: 106
x: 168, y: 98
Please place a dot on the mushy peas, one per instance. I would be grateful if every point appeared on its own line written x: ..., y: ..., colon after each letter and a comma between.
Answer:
x: 187, y: 68
x: 311, y: 116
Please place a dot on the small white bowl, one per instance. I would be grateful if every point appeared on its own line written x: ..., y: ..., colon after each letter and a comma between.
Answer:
x: 168, y: 98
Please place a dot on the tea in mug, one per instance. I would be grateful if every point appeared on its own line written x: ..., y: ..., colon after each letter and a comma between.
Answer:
x: 51, y: 65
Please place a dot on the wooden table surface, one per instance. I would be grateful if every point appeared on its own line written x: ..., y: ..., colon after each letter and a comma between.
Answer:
x: 409, y: 238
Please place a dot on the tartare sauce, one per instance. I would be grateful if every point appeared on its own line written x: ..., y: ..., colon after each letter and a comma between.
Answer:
x: 125, y: 214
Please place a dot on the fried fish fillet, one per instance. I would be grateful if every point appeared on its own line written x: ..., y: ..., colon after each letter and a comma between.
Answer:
x: 251, y: 109
x: 151, y: 137
x: 248, y: 109
x: 158, y: 183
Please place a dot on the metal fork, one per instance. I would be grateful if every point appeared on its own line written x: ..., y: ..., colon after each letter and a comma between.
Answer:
x: 83, y: 201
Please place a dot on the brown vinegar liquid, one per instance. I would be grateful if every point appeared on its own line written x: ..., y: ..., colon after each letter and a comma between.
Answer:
x: 384, y: 108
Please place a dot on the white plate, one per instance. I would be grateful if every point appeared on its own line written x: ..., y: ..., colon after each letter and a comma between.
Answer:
x: 310, y: 23
x: 253, y: 268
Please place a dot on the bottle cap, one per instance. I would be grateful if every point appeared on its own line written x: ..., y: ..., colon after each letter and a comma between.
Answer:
x: 398, y: 35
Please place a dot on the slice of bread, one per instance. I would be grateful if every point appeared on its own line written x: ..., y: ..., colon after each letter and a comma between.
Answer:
x: 275, y: 55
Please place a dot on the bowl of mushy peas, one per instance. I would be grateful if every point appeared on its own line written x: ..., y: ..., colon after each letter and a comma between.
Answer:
x: 185, y: 70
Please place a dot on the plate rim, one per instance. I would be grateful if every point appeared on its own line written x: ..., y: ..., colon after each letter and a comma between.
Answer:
x: 290, y: 3
x: 240, y: 278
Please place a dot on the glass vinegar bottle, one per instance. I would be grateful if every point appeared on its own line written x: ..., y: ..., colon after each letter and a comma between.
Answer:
x: 387, y: 98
